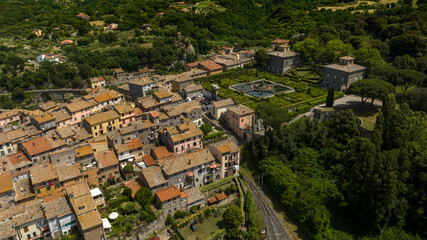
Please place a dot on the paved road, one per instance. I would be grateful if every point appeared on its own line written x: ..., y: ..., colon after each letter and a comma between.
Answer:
x: 346, y: 102
x: 274, y: 226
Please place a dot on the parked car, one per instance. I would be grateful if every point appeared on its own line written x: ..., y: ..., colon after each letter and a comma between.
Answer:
x: 193, y: 227
x: 200, y: 96
x: 202, y: 100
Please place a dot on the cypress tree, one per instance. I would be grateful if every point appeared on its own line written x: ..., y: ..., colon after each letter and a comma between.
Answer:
x: 330, y: 97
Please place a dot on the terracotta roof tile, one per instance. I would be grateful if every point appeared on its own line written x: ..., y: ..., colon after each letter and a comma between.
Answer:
x: 134, y: 186
x: 106, y: 159
x: 102, y: 117
x: 90, y: 220
x: 118, y: 70
x: 84, y: 151
x: 5, y: 182
x: 182, y: 162
x: 149, y: 160
x: 241, y: 110
x: 134, y: 144
x: 153, y: 176
x: 167, y: 193
x: 66, y: 172
x: 223, y: 103
x: 77, y: 190
x: 161, y: 152
x: 43, y: 173
x: 37, y: 146
x: 123, y: 107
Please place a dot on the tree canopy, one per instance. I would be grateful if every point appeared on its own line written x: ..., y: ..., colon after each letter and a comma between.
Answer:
x: 371, y: 88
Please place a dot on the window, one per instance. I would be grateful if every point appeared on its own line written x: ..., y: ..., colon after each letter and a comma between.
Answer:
x: 34, y: 234
x: 48, y: 188
x: 242, y: 120
x: 38, y: 191
x: 26, y: 229
x: 28, y: 236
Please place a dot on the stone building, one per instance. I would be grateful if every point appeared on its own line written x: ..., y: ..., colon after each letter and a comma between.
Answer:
x: 341, y: 75
x: 282, y: 59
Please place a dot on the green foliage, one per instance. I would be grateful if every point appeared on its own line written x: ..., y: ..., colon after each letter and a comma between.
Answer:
x: 127, y: 192
x: 213, y: 135
x: 18, y: 94
x: 216, y: 184
x: 371, y: 88
x: 330, y: 97
x: 232, y: 217
x: 179, y: 214
x: 127, y: 207
x: 272, y: 114
x: 416, y: 99
x: 408, y: 78
x: 115, y: 203
x: 206, y: 128
x: 261, y: 58
x: 128, y: 168
x: 144, y: 196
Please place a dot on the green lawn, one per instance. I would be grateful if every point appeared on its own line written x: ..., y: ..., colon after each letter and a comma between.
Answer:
x: 209, y: 226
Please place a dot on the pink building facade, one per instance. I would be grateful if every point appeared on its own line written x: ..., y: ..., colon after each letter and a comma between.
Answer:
x: 187, y: 144
x: 241, y: 119
x: 7, y: 117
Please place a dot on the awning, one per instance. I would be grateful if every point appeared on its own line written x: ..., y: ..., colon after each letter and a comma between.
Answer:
x: 95, y: 192
x: 190, y: 174
x: 213, y: 166
x: 236, y: 167
x: 105, y: 223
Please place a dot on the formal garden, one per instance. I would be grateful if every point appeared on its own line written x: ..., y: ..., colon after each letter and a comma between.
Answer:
x: 305, y: 92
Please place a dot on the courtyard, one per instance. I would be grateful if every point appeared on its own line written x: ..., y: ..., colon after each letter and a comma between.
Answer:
x: 261, y: 88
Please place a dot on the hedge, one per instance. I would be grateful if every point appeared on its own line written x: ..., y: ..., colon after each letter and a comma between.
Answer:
x: 213, y: 135
x: 217, y: 184
x: 115, y: 203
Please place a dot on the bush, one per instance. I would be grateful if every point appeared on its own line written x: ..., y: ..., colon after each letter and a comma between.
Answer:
x: 194, y: 209
x: 127, y: 192
x: 213, y: 135
x: 179, y: 214
x: 115, y: 203
x: 127, y: 207
x: 128, y: 168
x: 216, y: 184
x: 144, y: 196
x: 206, y: 128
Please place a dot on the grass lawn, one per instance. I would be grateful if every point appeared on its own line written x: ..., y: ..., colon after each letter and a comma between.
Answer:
x: 204, y: 4
x: 209, y: 226
x: 368, y: 116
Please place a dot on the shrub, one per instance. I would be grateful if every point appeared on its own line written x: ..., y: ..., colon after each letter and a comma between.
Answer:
x: 144, y: 196
x: 217, y: 184
x: 194, y: 209
x: 115, y: 203
x: 127, y: 192
x: 179, y: 214
x: 127, y: 207
x: 206, y: 128
x: 128, y: 168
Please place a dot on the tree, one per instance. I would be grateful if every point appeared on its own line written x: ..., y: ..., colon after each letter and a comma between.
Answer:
x: 232, y: 217
x: 127, y: 207
x: 371, y: 88
x: 405, y: 62
x: 335, y: 49
x: 330, y: 97
x: 343, y: 126
x: 144, y: 196
x: 261, y: 58
x: 18, y: 94
x: 416, y: 99
x: 128, y: 168
x: 206, y: 128
x: 309, y: 49
x: 368, y: 57
x: 271, y: 114
x: 127, y: 192
x: 408, y: 78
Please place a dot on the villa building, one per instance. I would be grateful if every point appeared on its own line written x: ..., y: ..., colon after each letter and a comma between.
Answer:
x: 282, y: 59
x: 341, y: 75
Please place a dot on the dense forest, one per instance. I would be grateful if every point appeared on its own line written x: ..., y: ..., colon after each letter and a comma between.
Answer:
x: 342, y: 186
x: 387, y: 40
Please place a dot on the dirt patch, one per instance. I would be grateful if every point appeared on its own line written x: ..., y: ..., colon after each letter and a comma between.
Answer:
x: 335, y: 8
x: 97, y: 23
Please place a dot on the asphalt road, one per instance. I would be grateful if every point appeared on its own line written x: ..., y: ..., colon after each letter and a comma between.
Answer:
x: 273, y: 225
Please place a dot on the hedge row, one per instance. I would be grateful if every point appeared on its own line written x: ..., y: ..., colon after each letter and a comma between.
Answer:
x: 213, y: 135
x: 217, y: 184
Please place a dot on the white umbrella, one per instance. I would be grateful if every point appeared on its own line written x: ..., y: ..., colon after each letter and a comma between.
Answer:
x: 113, y: 215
